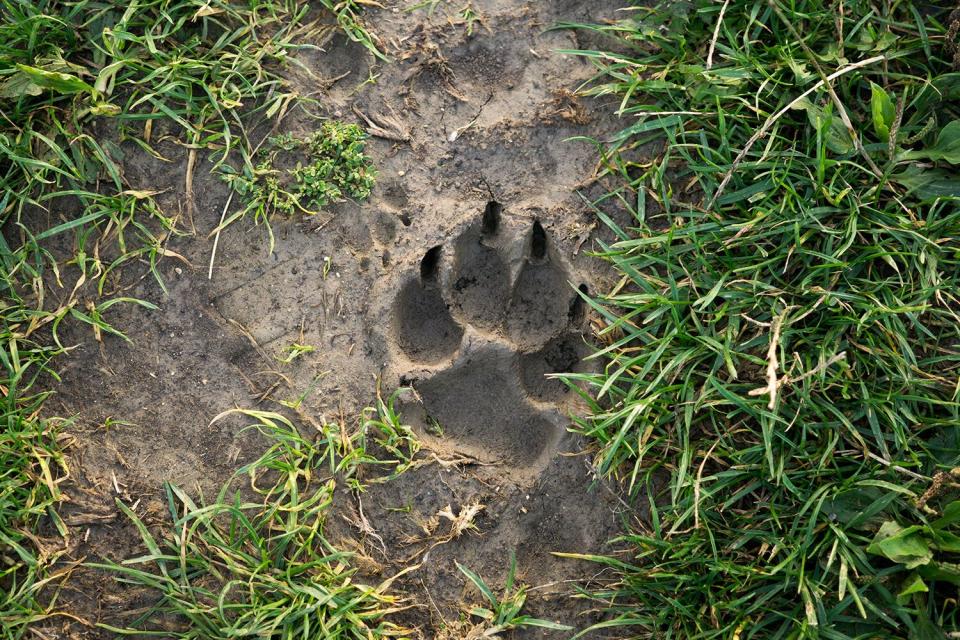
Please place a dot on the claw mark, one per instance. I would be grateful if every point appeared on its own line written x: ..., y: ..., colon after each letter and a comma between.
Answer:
x: 578, y: 309
x: 430, y: 264
x: 421, y: 320
x: 538, y: 241
x: 491, y: 218
x: 541, y: 297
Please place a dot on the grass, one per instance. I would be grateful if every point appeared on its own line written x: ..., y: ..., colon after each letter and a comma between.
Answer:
x: 81, y: 85
x: 347, y: 13
x: 461, y: 14
x: 259, y: 567
x: 502, y: 614
x: 782, y: 352
x: 80, y: 79
x: 74, y: 70
x: 31, y: 469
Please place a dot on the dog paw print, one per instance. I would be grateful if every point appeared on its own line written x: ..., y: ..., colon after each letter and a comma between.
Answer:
x: 479, y: 327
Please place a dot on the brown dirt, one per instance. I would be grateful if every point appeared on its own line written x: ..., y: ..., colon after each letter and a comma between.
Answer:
x: 457, y: 278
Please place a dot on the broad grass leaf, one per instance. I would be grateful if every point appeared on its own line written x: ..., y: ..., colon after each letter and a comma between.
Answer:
x: 483, y: 613
x: 834, y: 133
x: 543, y: 624
x: 943, y: 88
x: 951, y: 515
x: 64, y: 83
x: 479, y: 584
x: 913, y: 584
x: 940, y: 572
x: 946, y: 147
x: 800, y: 70
x: 883, y: 111
x: 928, y: 184
x: 19, y: 84
x: 946, y: 541
x: 105, y: 109
x: 903, y: 545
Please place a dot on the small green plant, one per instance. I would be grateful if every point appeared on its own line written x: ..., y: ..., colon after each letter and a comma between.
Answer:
x: 925, y: 553
x: 347, y: 13
x: 293, y: 351
x: 336, y: 169
x: 259, y: 186
x: 504, y: 613
x: 466, y: 15
x: 429, y: 5
x: 434, y: 427
x: 469, y: 17
x: 382, y: 424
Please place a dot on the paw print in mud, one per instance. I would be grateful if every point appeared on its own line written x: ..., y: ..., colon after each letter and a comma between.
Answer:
x: 479, y: 327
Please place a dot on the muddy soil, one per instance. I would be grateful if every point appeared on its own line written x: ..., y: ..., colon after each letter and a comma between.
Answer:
x: 458, y: 278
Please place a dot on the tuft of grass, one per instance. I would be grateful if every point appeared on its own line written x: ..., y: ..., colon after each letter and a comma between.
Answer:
x: 466, y: 16
x: 32, y: 467
x: 347, y: 13
x: 429, y: 5
x: 503, y: 613
x: 782, y: 353
x: 391, y: 443
x: 257, y: 567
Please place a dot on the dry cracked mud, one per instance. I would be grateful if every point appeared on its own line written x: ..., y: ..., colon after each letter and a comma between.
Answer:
x: 457, y: 280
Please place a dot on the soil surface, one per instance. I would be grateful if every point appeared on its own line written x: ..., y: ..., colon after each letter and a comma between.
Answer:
x: 458, y: 278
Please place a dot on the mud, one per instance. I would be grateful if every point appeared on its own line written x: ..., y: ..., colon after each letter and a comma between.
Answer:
x: 481, y: 280
x: 422, y: 324
x: 481, y: 400
x: 459, y: 279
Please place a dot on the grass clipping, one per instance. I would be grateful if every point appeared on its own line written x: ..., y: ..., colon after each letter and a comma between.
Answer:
x: 782, y: 359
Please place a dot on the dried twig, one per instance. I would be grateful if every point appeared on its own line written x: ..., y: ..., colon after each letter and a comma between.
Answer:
x: 716, y: 34
x: 216, y: 237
